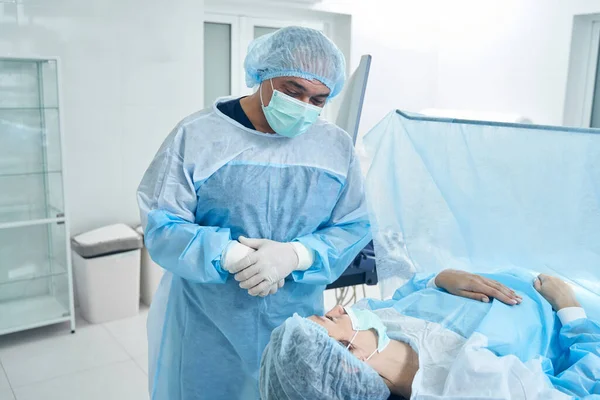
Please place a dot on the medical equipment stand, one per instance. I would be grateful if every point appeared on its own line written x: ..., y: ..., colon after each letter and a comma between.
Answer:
x: 362, y: 271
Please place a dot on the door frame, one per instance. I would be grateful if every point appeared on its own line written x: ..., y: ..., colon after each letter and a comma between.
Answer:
x: 591, y: 74
x: 583, y: 67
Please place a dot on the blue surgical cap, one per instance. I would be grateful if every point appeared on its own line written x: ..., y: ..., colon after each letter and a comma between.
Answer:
x: 302, y: 362
x: 295, y: 51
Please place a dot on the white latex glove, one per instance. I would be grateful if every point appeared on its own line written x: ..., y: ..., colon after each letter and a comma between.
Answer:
x: 270, y: 264
x: 235, y: 252
x: 274, y: 288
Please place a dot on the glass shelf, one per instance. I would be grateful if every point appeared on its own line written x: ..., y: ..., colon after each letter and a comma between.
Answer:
x: 55, y: 286
x: 34, y: 279
x: 31, y: 271
x: 29, y: 173
x: 30, y: 253
x: 27, y: 197
x: 31, y: 312
x: 28, y: 83
x: 29, y: 140
x: 41, y: 108
x: 9, y: 218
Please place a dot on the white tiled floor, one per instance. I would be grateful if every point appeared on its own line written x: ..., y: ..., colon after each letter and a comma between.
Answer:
x: 142, y: 362
x: 103, y: 362
x: 128, y: 333
x: 5, y: 390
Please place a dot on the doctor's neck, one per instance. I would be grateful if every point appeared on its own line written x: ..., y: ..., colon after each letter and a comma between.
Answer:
x: 397, y: 364
x: 253, y: 109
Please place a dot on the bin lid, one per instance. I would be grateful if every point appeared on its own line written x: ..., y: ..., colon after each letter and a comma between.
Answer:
x: 140, y: 229
x: 110, y: 239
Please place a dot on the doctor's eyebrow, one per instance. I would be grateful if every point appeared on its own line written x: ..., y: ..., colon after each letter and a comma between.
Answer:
x: 298, y: 86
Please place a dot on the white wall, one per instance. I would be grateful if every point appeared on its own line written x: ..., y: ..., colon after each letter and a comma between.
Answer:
x: 402, y: 40
x: 402, y: 36
x: 507, y: 56
x: 131, y: 70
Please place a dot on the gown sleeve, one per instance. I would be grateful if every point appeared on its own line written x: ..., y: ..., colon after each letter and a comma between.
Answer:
x: 167, y: 201
x: 418, y: 282
x: 578, y: 371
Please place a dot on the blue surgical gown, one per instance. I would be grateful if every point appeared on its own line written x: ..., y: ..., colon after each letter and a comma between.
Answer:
x: 212, y: 181
x: 569, y: 354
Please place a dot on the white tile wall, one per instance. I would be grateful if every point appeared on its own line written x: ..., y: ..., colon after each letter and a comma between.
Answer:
x: 131, y: 71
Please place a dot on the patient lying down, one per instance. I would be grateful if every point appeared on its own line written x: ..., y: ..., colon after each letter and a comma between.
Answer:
x: 432, y: 340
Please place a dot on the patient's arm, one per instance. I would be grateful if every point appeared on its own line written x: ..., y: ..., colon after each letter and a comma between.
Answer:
x: 462, y: 284
x: 476, y: 287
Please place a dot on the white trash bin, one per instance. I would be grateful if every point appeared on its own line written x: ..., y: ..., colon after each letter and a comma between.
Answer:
x: 106, y: 264
x: 151, y: 274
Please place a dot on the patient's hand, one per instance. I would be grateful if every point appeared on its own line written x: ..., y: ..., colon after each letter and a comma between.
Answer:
x: 558, y: 293
x: 475, y: 287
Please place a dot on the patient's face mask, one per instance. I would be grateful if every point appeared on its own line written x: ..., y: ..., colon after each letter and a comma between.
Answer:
x: 288, y: 116
x: 364, y: 320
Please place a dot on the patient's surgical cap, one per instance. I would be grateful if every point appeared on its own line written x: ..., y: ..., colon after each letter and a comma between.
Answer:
x: 302, y: 362
x: 295, y: 51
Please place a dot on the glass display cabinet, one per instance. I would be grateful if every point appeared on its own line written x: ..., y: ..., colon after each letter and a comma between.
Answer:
x: 36, y: 284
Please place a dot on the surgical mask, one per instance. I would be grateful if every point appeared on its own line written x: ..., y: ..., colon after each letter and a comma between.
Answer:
x: 364, y: 320
x: 288, y: 116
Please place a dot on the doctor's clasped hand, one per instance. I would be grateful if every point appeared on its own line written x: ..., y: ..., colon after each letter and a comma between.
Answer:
x: 236, y: 252
x: 272, y: 262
